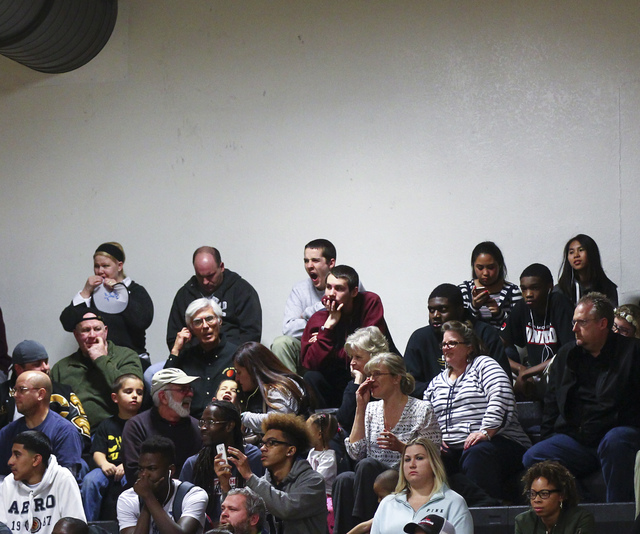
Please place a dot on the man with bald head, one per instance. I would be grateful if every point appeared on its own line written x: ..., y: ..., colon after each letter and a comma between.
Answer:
x: 94, y: 367
x: 29, y: 355
x: 242, y: 314
x: 32, y: 394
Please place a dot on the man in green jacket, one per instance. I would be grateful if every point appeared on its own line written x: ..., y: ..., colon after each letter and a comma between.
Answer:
x: 94, y: 368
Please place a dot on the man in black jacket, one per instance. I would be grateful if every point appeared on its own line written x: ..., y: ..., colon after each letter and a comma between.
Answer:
x: 242, y: 314
x: 591, y: 418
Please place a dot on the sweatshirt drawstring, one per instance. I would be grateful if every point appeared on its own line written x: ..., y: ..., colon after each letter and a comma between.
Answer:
x: 31, y: 507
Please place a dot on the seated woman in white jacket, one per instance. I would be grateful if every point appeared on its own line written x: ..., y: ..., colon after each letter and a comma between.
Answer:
x: 422, y: 490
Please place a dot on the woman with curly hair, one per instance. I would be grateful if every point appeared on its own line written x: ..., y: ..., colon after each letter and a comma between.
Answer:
x: 268, y: 386
x: 582, y: 271
x: 551, y: 490
x: 293, y: 492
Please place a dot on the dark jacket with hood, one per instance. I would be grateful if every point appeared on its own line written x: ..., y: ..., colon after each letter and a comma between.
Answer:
x: 242, y: 314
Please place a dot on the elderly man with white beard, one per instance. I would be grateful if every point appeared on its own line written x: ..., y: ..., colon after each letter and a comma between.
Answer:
x: 172, y: 395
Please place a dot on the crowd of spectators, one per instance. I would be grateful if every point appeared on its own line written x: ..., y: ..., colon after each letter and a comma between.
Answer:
x: 229, y: 435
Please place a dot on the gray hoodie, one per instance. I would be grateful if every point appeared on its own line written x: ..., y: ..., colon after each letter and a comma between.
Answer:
x: 298, y: 504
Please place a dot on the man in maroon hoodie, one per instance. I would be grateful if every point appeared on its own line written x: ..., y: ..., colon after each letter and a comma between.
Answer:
x: 346, y: 310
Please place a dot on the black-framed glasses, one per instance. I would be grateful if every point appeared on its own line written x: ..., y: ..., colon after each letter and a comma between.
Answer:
x: 210, y: 320
x: 272, y: 442
x: 622, y: 330
x: 543, y: 494
x: 208, y: 423
x: 451, y: 344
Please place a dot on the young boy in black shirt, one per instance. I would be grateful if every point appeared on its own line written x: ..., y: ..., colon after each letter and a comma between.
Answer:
x: 541, y: 322
x: 106, y: 447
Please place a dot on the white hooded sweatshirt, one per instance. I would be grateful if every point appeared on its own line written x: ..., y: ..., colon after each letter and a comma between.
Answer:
x: 37, y: 508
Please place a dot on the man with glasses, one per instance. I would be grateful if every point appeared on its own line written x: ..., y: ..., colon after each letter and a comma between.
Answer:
x: 32, y: 394
x: 293, y: 492
x: 591, y: 417
x: 211, y: 358
x: 172, y: 393
x: 96, y: 365
x: 236, y: 297
x: 30, y: 355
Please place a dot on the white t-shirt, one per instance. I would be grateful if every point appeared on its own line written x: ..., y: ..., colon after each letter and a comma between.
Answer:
x: 325, y: 463
x: 194, y: 505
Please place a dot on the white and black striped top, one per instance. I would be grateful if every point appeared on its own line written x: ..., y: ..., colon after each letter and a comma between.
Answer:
x: 506, y: 300
x: 480, y: 399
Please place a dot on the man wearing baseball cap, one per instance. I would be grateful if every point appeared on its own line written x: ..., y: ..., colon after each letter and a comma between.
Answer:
x: 96, y: 365
x: 431, y: 524
x: 172, y: 394
x: 30, y: 355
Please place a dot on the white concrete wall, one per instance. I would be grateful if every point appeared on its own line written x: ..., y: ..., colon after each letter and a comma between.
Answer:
x: 406, y: 132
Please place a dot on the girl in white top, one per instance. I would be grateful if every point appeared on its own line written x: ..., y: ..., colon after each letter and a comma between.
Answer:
x: 322, y: 427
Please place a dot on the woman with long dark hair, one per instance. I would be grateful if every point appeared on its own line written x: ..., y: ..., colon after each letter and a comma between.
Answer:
x: 488, y: 296
x: 268, y: 386
x: 582, y: 271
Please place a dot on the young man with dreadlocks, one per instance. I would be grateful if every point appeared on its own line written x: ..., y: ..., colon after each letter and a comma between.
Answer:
x: 220, y: 423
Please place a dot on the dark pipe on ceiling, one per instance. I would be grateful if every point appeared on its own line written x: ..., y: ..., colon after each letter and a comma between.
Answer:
x: 55, y: 36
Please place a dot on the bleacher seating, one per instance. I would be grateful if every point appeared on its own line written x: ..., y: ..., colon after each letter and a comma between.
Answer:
x: 615, y: 518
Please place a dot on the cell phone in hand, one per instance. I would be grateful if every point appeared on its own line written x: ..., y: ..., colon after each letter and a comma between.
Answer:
x: 220, y: 449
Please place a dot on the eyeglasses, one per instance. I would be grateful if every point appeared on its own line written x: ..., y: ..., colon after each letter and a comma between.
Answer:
x: 377, y: 374
x: 271, y: 442
x: 451, y: 344
x: 582, y: 322
x: 208, y: 423
x: 22, y: 390
x: 210, y: 319
x: 623, y: 330
x: 543, y: 494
